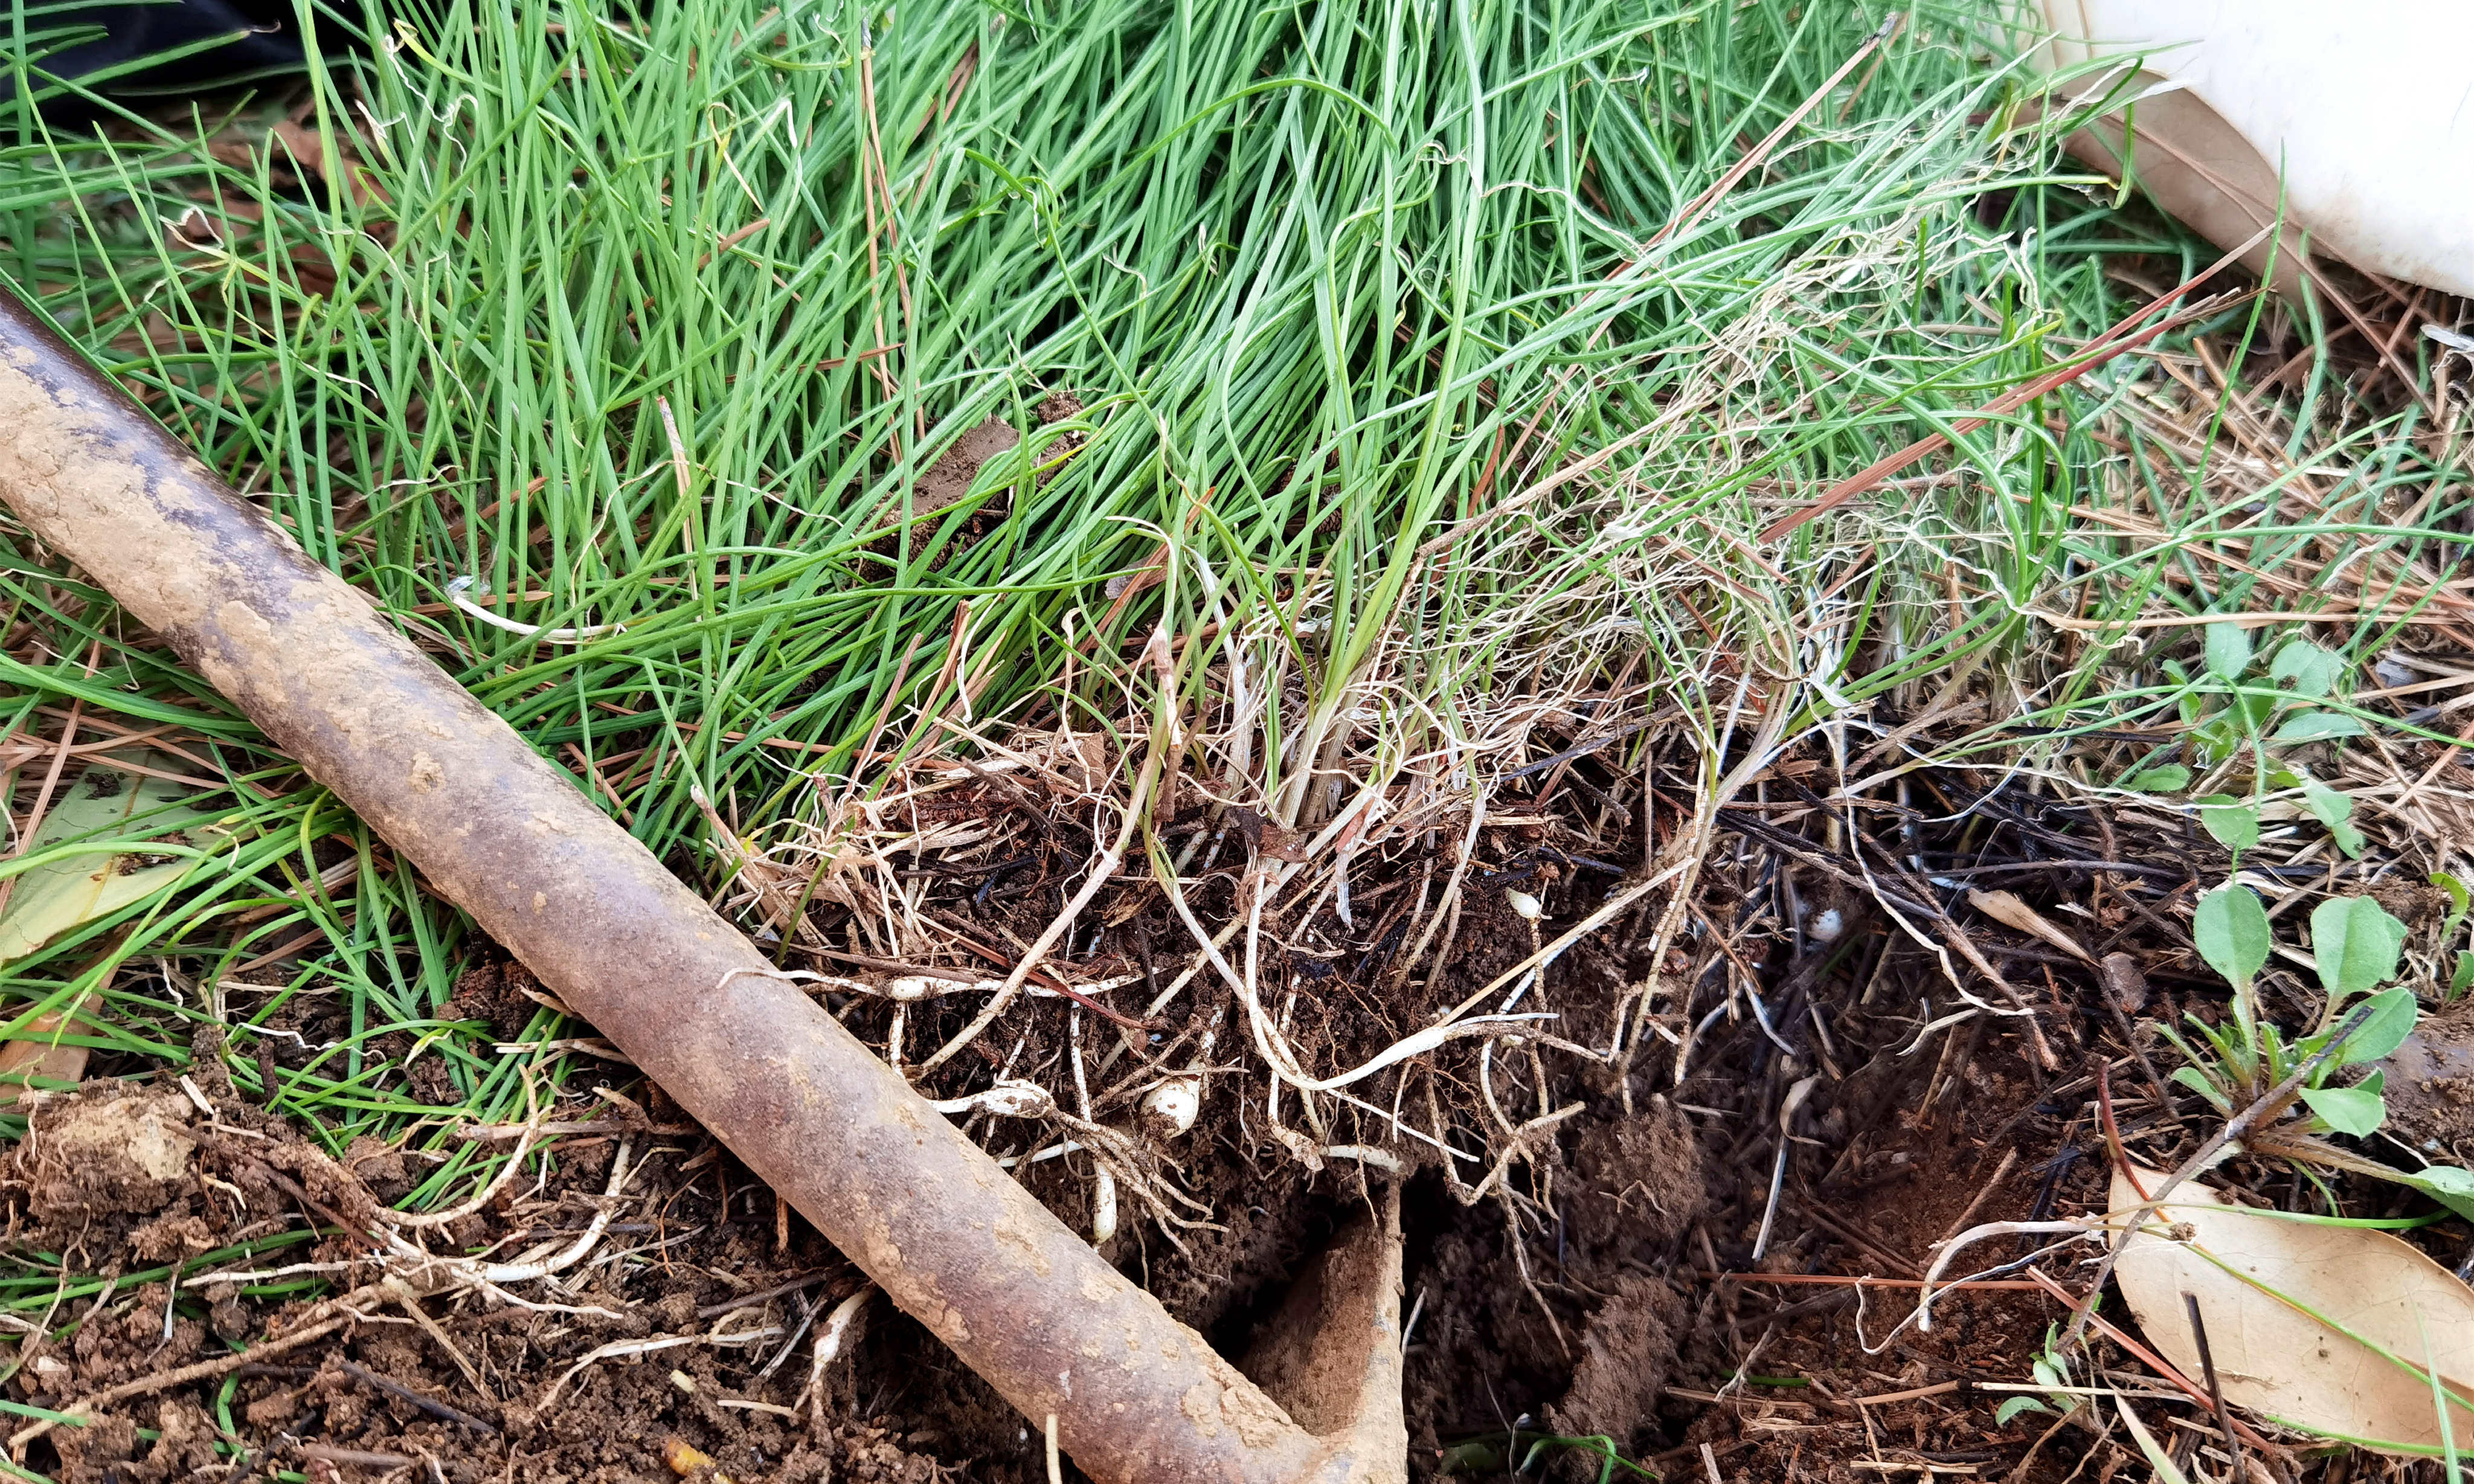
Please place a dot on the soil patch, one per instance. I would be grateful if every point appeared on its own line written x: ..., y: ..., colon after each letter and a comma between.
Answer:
x: 1706, y: 1265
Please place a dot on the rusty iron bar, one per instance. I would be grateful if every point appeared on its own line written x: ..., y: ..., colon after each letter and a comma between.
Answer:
x: 954, y: 1239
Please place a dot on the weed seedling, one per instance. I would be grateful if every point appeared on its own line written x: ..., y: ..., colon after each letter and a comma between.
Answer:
x: 2238, y: 1065
x: 1521, y: 1452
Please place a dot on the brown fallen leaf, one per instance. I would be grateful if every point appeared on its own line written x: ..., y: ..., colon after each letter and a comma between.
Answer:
x: 2336, y: 1330
x: 308, y: 149
x: 38, y: 1053
x: 2126, y: 984
x: 2011, y: 913
x: 75, y: 887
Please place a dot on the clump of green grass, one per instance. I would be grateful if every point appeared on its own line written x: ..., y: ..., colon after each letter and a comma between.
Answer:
x: 1373, y: 342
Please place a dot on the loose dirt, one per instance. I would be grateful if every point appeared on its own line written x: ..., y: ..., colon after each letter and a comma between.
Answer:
x: 2430, y: 1086
x: 1674, y: 1279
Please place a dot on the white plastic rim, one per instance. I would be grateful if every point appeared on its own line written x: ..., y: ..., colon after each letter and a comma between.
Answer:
x: 2368, y: 109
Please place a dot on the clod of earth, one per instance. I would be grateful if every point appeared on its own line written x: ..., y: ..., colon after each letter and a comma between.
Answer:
x: 120, y: 1154
x: 951, y: 1237
x: 2431, y: 1085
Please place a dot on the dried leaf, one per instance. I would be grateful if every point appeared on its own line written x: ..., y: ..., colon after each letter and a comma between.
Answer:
x: 2011, y: 913
x: 38, y: 1055
x: 308, y: 149
x: 2326, y: 1328
x: 52, y: 898
x: 2128, y: 985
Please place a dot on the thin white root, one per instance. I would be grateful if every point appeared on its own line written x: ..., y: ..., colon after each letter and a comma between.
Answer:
x: 269, y: 1274
x: 426, y: 1220
x: 456, y: 590
x: 495, y: 1275
x: 1364, y: 1154
x: 2092, y: 1231
x: 1795, y: 1096
x: 1103, y: 1193
x: 1516, y: 1147
x: 913, y: 988
x: 617, y: 1349
x: 1009, y: 1097
x: 841, y: 1334
x: 1056, y: 1151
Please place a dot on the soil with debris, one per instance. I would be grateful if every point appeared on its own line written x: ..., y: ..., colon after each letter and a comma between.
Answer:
x: 1670, y: 1279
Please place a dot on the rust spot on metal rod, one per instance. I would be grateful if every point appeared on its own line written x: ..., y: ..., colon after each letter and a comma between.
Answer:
x: 506, y: 837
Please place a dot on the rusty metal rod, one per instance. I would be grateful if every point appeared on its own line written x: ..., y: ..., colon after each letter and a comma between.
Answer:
x: 952, y: 1238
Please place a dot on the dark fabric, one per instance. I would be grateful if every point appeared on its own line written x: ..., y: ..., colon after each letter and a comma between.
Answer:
x: 265, y: 36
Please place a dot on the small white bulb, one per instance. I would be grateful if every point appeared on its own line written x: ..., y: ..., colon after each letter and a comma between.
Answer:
x: 1825, y: 926
x: 1168, y: 1110
x: 1104, y: 1209
x: 1525, y: 905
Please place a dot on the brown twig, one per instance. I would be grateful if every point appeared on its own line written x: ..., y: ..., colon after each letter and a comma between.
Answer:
x: 430, y: 1405
x: 497, y: 830
x: 2215, y: 1390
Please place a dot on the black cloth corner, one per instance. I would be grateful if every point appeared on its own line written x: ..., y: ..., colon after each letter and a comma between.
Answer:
x: 263, y: 36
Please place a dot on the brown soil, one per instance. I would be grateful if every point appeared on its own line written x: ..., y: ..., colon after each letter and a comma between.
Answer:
x: 2430, y: 1086
x: 950, y: 477
x: 1629, y: 1292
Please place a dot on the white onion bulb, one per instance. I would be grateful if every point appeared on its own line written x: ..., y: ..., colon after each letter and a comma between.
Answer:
x: 1168, y: 1110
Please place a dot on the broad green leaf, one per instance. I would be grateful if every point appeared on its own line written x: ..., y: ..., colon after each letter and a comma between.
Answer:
x: 2172, y: 778
x: 2231, y: 928
x: 2318, y: 726
x: 2002, y: 1414
x: 2446, y: 1183
x: 2391, y: 1021
x: 2229, y: 650
x: 2215, y: 739
x: 81, y: 885
x: 2234, y: 823
x: 2312, y: 670
x: 2333, y: 809
x: 2459, y: 901
x: 2355, y: 942
x: 2464, y: 975
x: 2327, y: 805
x: 2350, y: 1111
